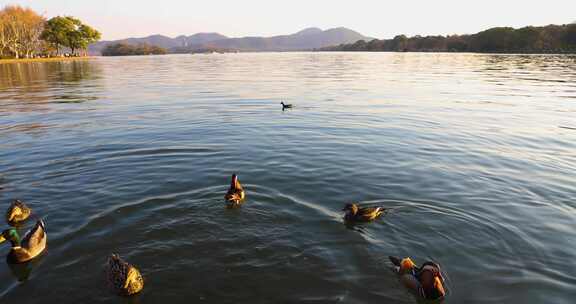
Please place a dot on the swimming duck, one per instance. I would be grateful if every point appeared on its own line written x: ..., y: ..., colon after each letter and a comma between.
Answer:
x: 286, y: 106
x: 17, y: 212
x: 235, y: 194
x: 32, y: 245
x: 124, y: 278
x: 361, y: 214
x: 425, y: 281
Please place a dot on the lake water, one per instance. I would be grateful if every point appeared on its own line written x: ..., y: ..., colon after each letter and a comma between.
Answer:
x: 475, y: 154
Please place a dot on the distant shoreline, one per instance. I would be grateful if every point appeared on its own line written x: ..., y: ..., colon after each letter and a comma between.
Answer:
x: 529, y: 39
x: 29, y: 60
x: 450, y: 52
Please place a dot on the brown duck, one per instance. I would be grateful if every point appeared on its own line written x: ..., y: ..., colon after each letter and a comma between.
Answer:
x: 236, y: 193
x: 124, y: 278
x: 17, y: 212
x: 354, y: 213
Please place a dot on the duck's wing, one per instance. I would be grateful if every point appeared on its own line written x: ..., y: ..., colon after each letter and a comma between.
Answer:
x: 236, y: 193
x: 35, y: 238
x: 230, y: 194
x: 234, y: 196
x: 371, y: 212
x: 20, y: 204
x: 123, y: 277
x: 134, y: 281
x: 238, y: 186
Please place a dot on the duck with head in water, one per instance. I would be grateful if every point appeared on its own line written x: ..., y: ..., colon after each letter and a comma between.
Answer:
x: 123, y: 278
x: 27, y: 248
x: 17, y: 212
x: 286, y: 106
x: 236, y: 194
x: 354, y: 213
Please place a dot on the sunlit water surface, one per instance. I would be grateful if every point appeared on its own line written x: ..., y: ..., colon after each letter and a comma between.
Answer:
x: 475, y: 154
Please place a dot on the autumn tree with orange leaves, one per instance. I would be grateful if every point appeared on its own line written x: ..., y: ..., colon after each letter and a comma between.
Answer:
x: 26, y: 34
x: 20, y: 30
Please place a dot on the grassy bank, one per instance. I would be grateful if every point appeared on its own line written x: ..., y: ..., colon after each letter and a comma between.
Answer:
x: 26, y: 60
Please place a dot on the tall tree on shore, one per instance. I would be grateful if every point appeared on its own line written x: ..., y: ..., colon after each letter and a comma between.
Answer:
x: 80, y: 36
x: 9, y: 25
x: 55, y: 32
x: 20, y: 30
x: 31, y: 31
x: 3, y: 34
x: 88, y: 35
x: 74, y: 36
x: 69, y: 32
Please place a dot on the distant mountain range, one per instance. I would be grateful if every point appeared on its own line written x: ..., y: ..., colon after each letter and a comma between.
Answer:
x: 310, y: 38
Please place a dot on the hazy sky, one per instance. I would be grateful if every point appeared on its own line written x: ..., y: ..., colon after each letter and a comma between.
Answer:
x: 376, y: 18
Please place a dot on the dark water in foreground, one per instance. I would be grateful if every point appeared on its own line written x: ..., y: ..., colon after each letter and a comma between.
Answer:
x: 475, y: 153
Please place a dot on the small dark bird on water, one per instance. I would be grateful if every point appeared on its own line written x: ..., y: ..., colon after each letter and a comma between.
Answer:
x: 236, y: 193
x: 355, y: 213
x: 286, y: 106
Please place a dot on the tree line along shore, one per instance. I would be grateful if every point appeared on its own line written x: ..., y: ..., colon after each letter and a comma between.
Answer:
x: 26, y: 34
x: 530, y: 39
x: 29, y: 35
x: 125, y: 49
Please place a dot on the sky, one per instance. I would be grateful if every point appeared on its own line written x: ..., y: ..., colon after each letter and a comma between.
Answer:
x: 118, y: 19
